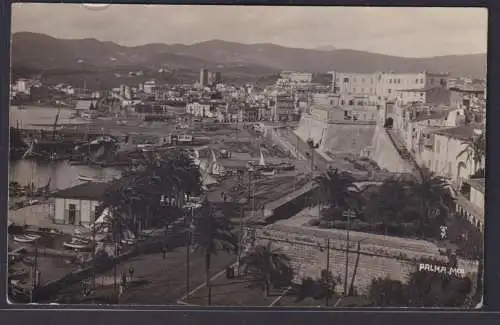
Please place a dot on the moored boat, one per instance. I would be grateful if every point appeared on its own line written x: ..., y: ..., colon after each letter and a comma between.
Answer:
x: 84, y: 178
x: 23, y: 239
x: 32, y: 236
x: 76, y: 243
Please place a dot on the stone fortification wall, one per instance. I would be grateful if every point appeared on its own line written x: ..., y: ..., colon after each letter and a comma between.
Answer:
x: 386, y: 155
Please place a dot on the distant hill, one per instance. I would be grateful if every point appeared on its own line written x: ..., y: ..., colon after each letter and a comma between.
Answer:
x: 326, y: 48
x: 40, y: 52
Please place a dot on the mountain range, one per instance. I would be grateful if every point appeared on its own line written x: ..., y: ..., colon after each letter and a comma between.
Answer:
x: 45, y: 53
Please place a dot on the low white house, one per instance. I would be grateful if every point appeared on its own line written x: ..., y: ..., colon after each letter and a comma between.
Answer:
x: 76, y: 205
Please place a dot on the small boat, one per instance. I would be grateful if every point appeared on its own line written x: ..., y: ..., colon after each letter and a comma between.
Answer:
x: 268, y: 171
x: 23, y: 239
x: 84, y: 178
x: 128, y: 241
x: 32, y: 236
x: 76, y: 244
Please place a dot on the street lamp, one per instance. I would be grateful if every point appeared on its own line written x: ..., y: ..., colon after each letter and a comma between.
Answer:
x: 349, y: 214
x: 189, y: 220
x: 242, y: 202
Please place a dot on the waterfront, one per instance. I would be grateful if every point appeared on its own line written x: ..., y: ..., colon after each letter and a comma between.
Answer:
x: 61, y: 174
x: 30, y: 116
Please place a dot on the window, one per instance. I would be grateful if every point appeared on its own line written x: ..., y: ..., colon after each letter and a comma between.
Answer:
x: 342, y: 102
x: 421, y: 81
x: 390, y: 81
x: 389, y: 91
x: 437, y: 166
x: 432, y: 81
x: 71, y: 214
x: 421, y: 94
x: 437, y: 146
x: 351, y: 103
x: 416, y: 81
x: 346, y: 114
x: 399, y: 81
x: 346, y: 79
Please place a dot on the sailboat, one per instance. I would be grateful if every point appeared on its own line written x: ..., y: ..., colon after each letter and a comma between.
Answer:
x: 263, y: 168
x: 216, y: 169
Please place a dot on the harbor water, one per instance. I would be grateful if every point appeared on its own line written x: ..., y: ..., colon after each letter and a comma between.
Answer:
x: 30, y: 116
x: 60, y: 173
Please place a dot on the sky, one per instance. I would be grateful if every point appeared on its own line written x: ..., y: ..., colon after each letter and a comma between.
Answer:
x: 408, y: 32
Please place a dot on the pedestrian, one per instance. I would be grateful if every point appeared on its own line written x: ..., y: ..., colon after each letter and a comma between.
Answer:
x: 131, y: 271
x: 164, y: 252
x: 124, y: 279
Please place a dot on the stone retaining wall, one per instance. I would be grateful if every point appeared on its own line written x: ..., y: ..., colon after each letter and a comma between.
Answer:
x: 308, y: 255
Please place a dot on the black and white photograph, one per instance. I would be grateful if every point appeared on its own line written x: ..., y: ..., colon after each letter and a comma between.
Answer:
x: 247, y: 156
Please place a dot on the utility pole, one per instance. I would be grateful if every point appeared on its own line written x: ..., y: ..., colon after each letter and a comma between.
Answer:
x: 348, y: 214
x: 328, y: 270
x: 188, y: 222
x: 243, y: 201
x: 34, y: 273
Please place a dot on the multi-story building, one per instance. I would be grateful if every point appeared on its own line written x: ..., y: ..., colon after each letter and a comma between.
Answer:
x: 444, y: 153
x: 434, y: 95
x: 201, y: 109
x: 204, y: 75
x: 217, y: 77
x: 282, y: 105
x: 384, y: 85
x: 148, y: 86
x: 301, y: 77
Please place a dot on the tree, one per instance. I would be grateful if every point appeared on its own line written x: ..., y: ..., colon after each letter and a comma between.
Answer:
x: 432, y: 194
x: 387, y: 205
x: 475, y: 150
x: 337, y: 189
x: 211, y: 234
x: 424, y: 289
x: 387, y: 292
x: 268, y: 267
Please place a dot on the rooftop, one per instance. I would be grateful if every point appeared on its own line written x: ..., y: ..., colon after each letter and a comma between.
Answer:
x: 93, y: 191
x: 426, y: 89
x: 464, y: 132
x: 439, y: 115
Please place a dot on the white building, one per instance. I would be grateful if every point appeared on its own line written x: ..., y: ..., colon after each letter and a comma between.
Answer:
x: 201, y: 110
x: 384, y: 85
x: 76, y: 205
x: 21, y: 86
x: 441, y: 153
x: 301, y: 77
x: 149, y: 86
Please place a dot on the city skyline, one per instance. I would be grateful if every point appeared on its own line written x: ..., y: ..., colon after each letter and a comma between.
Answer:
x: 443, y: 31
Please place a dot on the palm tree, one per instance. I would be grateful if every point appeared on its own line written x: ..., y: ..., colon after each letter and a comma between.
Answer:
x: 390, y: 202
x: 337, y: 189
x: 475, y: 150
x: 119, y: 218
x: 211, y: 233
x: 268, y: 267
x: 432, y: 193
